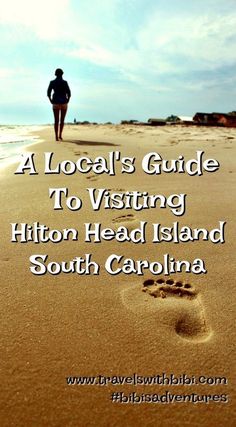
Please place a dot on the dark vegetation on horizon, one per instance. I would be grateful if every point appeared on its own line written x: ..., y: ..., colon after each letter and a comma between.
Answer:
x: 199, y: 119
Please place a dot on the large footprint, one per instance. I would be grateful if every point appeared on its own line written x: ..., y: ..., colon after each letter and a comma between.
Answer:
x: 179, y: 300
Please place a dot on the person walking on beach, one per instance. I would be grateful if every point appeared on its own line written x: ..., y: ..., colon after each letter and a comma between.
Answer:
x: 59, y: 100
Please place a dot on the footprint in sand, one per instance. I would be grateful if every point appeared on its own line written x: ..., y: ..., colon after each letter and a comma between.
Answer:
x: 92, y: 178
x: 116, y: 189
x: 124, y: 218
x: 129, y: 221
x: 79, y: 153
x: 177, y: 303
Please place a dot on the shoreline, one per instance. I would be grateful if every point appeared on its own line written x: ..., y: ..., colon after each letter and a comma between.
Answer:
x: 8, y: 161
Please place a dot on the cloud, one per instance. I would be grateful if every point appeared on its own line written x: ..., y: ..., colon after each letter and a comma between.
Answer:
x: 200, y: 41
x: 6, y: 73
x: 44, y: 17
x: 137, y: 52
x: 168, y: 44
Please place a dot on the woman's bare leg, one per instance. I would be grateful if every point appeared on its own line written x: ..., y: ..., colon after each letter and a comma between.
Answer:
x: 56, y: 122
x: 62, y: 118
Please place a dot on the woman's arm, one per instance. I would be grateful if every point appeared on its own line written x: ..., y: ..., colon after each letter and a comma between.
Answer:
x: 68, y: 92
x: 49, y: 91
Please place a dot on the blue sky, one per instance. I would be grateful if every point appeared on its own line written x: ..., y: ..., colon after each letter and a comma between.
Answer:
x: 123, y: 59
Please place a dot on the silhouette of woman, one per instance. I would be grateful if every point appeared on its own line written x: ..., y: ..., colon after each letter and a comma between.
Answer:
x: 59, y: 100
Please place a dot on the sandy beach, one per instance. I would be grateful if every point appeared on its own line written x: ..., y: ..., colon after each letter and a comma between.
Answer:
x: 119, y: 326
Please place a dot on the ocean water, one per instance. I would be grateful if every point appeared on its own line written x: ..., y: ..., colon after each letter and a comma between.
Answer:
x: 13, y: 140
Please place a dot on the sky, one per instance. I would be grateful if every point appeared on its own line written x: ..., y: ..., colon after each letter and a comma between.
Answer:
x: 123, y: 59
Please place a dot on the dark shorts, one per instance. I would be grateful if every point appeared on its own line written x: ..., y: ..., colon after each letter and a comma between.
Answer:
x: 59, y: 106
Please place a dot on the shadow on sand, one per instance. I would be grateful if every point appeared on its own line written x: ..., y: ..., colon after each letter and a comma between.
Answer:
x: 91, y: 143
